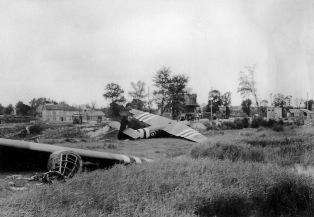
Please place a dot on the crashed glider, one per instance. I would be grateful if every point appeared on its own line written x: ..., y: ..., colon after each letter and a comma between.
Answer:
x: 65, y: 161
x: 158, y: 123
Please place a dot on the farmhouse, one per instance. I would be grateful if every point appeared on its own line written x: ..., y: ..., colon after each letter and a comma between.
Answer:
x: 56, y: 113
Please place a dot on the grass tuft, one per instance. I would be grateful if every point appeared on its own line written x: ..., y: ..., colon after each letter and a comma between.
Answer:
x: 181, y: 187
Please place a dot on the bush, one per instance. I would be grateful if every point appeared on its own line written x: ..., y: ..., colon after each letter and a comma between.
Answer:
x: 278, y: 127
x: 227, y: 151
x: 257, y: 122
x: 288, y: 196
x: 270, y: 123
x: 36, y: 129
x: 228, y: 126
x: 239, y: 123
x: 245, y: 122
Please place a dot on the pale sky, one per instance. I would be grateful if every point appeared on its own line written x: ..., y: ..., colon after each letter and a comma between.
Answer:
x: 69, y: 50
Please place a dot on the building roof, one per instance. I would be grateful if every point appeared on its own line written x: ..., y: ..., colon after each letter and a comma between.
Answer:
x: 294, y: 110
x: 59, y: 107
x: 307, y: 111
x: 95, y: 113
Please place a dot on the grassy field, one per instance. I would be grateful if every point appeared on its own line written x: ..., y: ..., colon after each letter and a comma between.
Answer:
x: 249, y: 172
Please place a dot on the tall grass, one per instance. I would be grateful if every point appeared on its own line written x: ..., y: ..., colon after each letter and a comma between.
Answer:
x: 184, y: 187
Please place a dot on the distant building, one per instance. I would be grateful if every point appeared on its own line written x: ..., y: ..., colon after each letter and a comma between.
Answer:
x: 56, y: 113
x: 294, y: 113
x: 94, y: 115
x: 274, y: 113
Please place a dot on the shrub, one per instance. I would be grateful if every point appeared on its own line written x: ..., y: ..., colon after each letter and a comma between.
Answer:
x: 245, y: 122
x: 288, y: 196
x: 36, y: 129
x: 257, y: 122
x: 227, y: 151
x: 239, y: 123
x: 270, y: 123
x: 228, y: 126
x: 278, y: 127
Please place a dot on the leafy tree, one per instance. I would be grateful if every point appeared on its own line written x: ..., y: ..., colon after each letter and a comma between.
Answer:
x: 114, y: 110
x: 34, y: 103
x: 310, y: 106
x: 93, y: 104
x: 138, y: 91
x: 114, y: 92
x: 63, y: 103
x: 170, y: 91
x: 282, y: 101
x: 226, y: 101
x: 136, y: 104
x: 263, y: 107
x: 247, y: 84
x: 138, y: 94
x: 1, y: 109
x: 214, y: 100
x: 162, y: 81
x: 22, y: 109
x: 8, y: 110
x: 177, y: 91
x: 246, y: 106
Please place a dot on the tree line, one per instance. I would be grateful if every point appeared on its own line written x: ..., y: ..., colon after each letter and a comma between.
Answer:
x: 248, y: 90
x: 169, y: 96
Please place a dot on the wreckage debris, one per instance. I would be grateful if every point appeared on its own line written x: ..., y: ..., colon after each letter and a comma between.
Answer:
x: 63, y: 162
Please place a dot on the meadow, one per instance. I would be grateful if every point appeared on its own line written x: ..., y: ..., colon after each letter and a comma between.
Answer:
x: 248, y: 172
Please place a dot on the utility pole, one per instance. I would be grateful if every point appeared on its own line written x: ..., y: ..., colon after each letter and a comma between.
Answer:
x: 271, y: 100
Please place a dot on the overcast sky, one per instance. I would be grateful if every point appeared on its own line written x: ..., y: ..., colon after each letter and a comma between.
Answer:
x: 69, y: 50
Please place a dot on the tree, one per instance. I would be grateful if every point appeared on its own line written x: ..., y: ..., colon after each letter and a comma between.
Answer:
x: 8, y: 110
x: 93, y: 104
x: 1, y: 109
x: 136, y: 104
x: 177, y: 91
x: 282, y: 101
x: 34, y: 103
x: 22, y: 109
x: 309, y: 105
x: 170, y: 91
x: 63, y: 103
x: 246, y: 106
x: 226, y: 102
x: 162, y: 81
x: 214, y: 101
x: 138, y: 94
x: 138, y: 91
x: 114, y: 92
x: 247, y: 84
x: 263, y: 107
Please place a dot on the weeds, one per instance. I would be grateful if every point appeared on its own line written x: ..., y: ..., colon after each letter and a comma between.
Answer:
x: 185, y: 187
